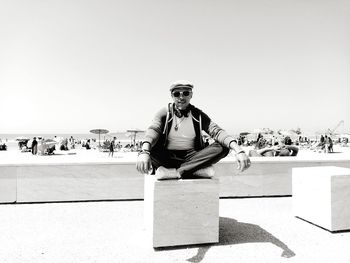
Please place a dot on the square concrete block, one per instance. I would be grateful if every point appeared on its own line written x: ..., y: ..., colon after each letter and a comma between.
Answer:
x: 321, y: 195
x: 181, y: 212
x: 8, y: 184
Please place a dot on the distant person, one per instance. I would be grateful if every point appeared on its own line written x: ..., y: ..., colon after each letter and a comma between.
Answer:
x: 34, y: 146
x: 119, y: 145
x: 278, y: 149
x: 87, y: 145
x: 261, y: 142
x: 20, y: 144
x: 322, y: 139
x: 322, y: 142
x: 173, y: 145
x: 288, y: 150
x: 64, y: 145
x: 345, y: 141
x: 259, y: 136
x: 3, y: 146
x: 72, y: 142
x: 328, y: 144
x: 112, y: 145
x: 41, y: 147
x: 288, y: 140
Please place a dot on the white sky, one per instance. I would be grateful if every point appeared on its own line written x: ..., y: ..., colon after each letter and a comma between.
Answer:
x: 71, y: 66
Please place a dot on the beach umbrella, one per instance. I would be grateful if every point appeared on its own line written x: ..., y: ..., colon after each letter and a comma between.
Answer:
x: 292, y: 134
x: 263, y: 131
x: 22, y: 138
x: 257, y: 130
x: 132, y: 133
x: 99, y: 132
x: 58, y: 139
x: 49, y: 142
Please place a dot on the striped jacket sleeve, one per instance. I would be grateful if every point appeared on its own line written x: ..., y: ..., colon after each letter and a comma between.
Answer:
x: 216, y: 132
x: 155, y: 130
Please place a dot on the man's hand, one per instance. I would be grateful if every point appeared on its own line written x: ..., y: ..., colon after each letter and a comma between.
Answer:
x: 143, y: 163
x: 243, y: 161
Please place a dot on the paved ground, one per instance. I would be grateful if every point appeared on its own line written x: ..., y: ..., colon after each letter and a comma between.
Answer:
x: 251, y: 230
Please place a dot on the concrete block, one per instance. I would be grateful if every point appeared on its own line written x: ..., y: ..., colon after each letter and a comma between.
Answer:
x: 78, y: 182
x: 8, y: 184
x: 181, y: 212
x: 321, y: 195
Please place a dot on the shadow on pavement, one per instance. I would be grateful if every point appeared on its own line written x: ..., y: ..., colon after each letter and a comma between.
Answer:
x: 232, y: 232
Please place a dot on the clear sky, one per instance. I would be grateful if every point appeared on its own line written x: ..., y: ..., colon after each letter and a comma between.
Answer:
x: 75, y: 65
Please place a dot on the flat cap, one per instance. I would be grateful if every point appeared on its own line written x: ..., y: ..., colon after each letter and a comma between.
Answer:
x: 181, y: 84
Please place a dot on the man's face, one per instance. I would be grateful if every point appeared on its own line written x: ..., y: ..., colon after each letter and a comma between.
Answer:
x: 181, y: 97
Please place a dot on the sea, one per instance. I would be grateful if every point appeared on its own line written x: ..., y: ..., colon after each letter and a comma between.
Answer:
x: 121, y: 136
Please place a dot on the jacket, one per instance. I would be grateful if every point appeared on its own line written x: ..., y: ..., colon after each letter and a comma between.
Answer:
x: 157, y: 132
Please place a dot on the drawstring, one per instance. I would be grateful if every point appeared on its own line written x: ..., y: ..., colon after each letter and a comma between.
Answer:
x: 172, y: 110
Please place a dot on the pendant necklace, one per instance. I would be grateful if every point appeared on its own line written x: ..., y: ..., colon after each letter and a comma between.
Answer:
x: 177, y: 124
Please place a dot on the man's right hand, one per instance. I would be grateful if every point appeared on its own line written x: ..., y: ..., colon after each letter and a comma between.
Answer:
x: 143, y: 164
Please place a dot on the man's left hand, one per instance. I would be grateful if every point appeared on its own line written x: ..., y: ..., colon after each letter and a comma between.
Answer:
x: 243, y: 161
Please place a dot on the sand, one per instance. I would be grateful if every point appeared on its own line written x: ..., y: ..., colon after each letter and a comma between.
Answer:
x: 80, y: 155
x: 251, y: 230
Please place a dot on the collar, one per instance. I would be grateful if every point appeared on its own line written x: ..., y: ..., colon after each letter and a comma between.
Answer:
x: 180, y: 113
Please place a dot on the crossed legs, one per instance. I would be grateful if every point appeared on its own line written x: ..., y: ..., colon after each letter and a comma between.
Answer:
x: 188, y: 161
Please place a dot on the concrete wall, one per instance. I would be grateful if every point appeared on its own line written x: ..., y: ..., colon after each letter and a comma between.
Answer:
x: 78, y: 182
x: 120, y: 181
x: 266, y: 177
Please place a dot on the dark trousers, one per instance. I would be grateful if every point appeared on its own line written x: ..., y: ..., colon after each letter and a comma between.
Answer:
x: 35, y: 149
x: 188, y: 161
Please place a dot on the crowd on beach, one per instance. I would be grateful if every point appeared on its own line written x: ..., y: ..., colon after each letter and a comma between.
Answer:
x: 267, y: 145
x: 261, y: 145
x: 42, y: 146
x: 274, y: 147
x: 325, y: 143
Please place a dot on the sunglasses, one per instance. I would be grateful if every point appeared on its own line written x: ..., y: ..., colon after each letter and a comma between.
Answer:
x: 185, y: 93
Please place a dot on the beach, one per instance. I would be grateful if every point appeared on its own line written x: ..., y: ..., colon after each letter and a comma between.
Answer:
x: 13, y: 155
x: 107, y: 224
